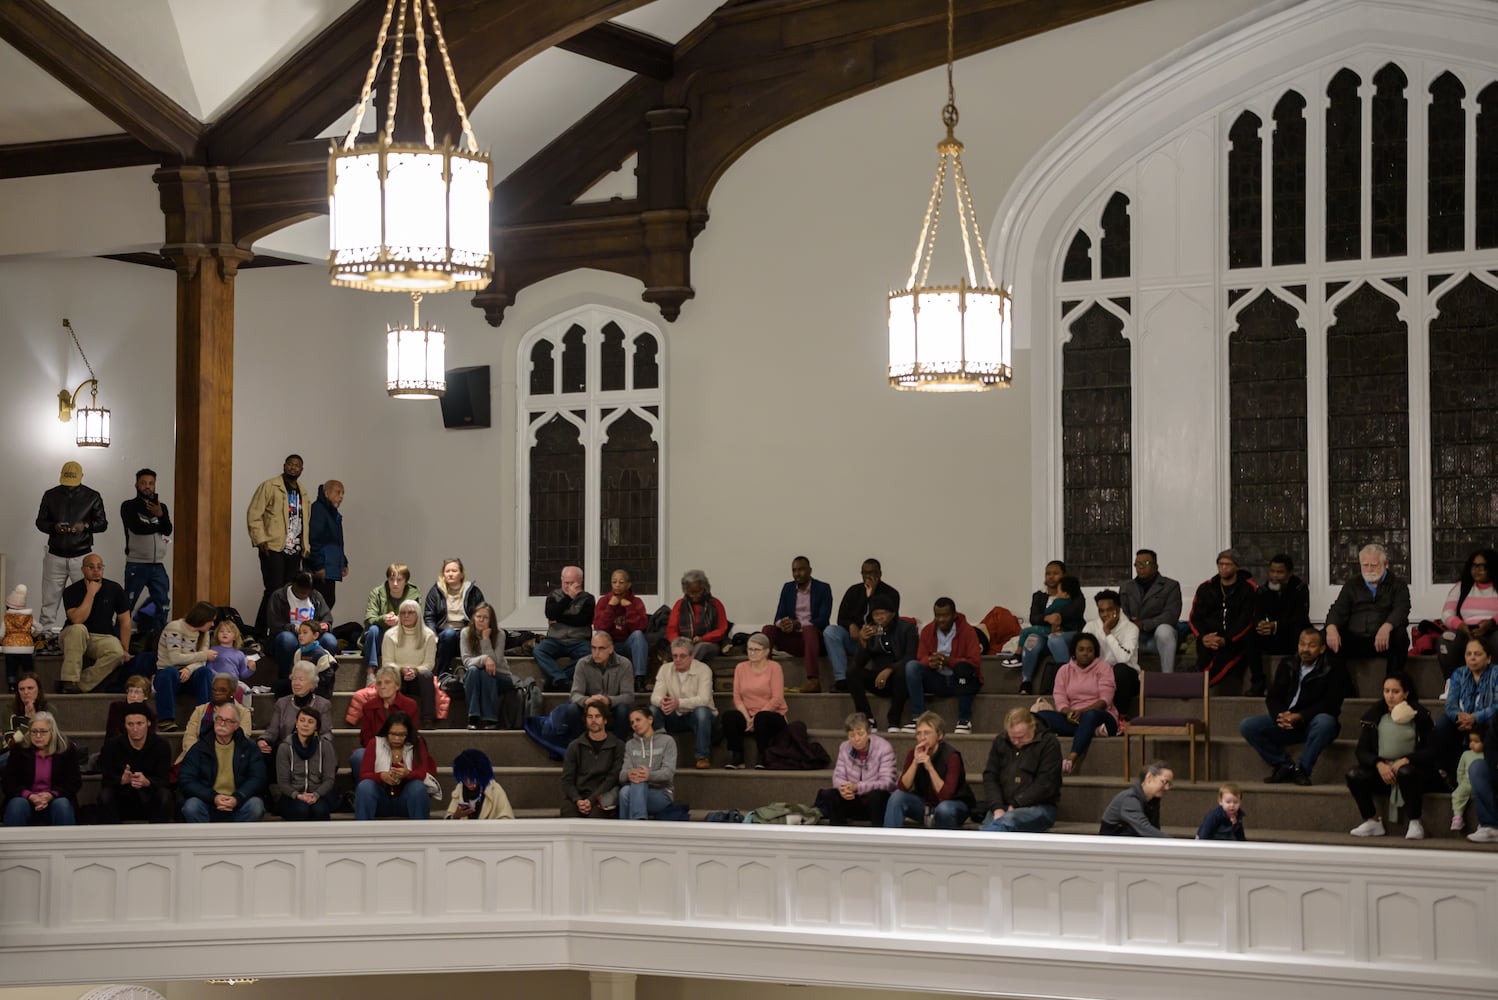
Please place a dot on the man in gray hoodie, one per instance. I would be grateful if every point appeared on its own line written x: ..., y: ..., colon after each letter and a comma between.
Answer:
x: 590, y: 771
x: 604, y: 678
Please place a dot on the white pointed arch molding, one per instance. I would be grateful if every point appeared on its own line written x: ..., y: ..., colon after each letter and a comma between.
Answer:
x: 927, y: 911
x: 1161, y: 139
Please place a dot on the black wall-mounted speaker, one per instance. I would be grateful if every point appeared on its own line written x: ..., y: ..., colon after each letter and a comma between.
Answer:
x: 466, y: 403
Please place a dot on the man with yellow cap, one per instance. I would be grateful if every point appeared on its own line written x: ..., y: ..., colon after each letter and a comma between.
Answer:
x: 70, y: 515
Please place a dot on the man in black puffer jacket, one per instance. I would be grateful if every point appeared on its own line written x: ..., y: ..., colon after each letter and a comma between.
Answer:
x: 70, y: 515
x: 1022, y: 780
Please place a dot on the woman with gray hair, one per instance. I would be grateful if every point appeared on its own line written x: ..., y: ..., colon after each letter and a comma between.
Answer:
x: 698, y: 616
x: 42, y: 778
x: 758, y: 703
x: 303, y: 695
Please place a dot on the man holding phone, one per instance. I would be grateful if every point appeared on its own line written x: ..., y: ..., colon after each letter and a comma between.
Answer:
x: 148, y: 528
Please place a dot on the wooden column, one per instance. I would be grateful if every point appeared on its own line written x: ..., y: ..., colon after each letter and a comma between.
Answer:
x: 195, y: 201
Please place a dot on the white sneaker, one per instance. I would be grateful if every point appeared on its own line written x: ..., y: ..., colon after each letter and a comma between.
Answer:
x: 909, y: 727
x: 1369, y: 828
x: 1416, y: 831
x: 1484, y: 835
x: 1445, y: 690
x: 963, y: 728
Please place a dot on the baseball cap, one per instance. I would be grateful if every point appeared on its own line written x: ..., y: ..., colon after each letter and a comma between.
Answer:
x: 72, y: 474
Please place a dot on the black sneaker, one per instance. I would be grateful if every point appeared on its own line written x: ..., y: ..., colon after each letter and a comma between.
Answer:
x: 1302, y: 777
x: 1282, y: 774
x: 1025, y: 688
x: 473, y: 722
x: 840, y: 687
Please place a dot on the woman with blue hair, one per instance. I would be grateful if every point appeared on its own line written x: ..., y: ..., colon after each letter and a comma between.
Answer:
x: 477, y: 794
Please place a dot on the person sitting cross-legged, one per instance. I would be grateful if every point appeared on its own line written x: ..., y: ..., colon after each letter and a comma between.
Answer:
x: 1022, y: 780
x: 946, y: 663
x: 1305, y: 706
x: 863, y: 777
x: 605, y: 678
x: 135, y: 772
x: 223, y: 778
x: 933, y: 783
x: 1084, y: 700
x: 392, y: 778
x: 569, y: 618
x: 682, y: 700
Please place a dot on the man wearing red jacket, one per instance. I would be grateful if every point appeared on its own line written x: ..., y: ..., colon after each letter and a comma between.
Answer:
x: 947, y: 663
x: 622, y: 615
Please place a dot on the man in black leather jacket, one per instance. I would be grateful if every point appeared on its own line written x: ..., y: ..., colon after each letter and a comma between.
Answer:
x: 70, y: 515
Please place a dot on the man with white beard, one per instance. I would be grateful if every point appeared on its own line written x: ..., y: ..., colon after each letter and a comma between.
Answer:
x: 1371, y: 616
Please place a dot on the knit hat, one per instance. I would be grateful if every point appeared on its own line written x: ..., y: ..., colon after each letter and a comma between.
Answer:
x: 72, y: 474
x: 1229, y: 554
x: 17, y: 598
x: 879, y: 602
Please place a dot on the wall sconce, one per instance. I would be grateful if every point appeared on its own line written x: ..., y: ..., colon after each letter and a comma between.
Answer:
x: 93, y: 420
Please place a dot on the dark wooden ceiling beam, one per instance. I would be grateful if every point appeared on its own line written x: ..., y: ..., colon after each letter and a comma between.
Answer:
x: 751, y: 69
x: 625, y: 48
x: 77, y: 61
x: 321, y: 82
x: 66, y: 156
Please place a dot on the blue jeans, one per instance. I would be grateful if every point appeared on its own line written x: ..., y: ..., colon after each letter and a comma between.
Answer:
x: 840, y: 647
x: 59, y: 812
x: 447, y: 649
x: 547, y: 651
x: 567, y: 721
x: 640, y: 801
x: 373, y: 636
x: 167, y: 683
x: 1021, y: 819
x: 948, y: 815
x: 483, y: 692
x: 960, y: 679
x: 248, y: 811
x: 283, y: 647
x: 1058, y: 643
x: 1266, y: 737
x: 638, y: 651
x: 699, y: 723
x: 1484, y: 792
x: 411, y: 802
x: 1083, y: 729
x: 150, y: 577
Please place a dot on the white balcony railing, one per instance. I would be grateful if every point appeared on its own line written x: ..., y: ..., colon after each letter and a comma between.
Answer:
x: 918, y: 910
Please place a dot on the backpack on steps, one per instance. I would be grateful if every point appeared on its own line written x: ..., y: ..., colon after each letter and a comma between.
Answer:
x: 517, y: 705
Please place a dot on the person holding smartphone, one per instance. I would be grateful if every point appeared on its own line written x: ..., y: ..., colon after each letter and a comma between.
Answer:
x: 148, y: 529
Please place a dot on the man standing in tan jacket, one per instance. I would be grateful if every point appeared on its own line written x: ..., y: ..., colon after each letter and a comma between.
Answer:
x: 278, y: 520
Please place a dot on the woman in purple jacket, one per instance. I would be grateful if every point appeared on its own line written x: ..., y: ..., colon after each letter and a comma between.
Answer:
x: 863, y: 777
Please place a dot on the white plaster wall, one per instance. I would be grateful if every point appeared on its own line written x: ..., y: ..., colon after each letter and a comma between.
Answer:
x: 784, y: 436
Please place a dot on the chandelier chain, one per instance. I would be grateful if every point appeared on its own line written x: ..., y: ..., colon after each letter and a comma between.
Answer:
x: 74, y: 335
x: 421, y: 68
x: 926, y: 244
x: 949, y: 111
x: 965, y: 197
x: 395, y: 73
x: 452, y: 77
x: 374, y: 67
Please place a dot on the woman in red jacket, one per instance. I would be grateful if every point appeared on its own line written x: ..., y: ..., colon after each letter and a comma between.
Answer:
x: 393, y: 779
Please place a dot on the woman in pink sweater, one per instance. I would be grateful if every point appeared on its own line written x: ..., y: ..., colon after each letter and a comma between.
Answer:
x: 1084, y: 701
x: 758, y: 703
x: 1469, y: 612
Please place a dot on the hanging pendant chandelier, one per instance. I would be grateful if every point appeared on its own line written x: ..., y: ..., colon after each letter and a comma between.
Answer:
x: 415, y: 358
x: 409, y: 216
x: 950, y: 338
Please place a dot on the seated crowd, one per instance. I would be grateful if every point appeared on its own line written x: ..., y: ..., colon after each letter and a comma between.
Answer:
x: 621, y: 756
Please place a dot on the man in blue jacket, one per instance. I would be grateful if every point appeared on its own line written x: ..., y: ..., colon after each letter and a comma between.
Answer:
x: 804, y: 610
x: 223, y: 778
x: 327, y: 561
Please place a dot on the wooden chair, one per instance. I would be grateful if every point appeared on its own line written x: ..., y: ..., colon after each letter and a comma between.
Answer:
x: 1156, y: 688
